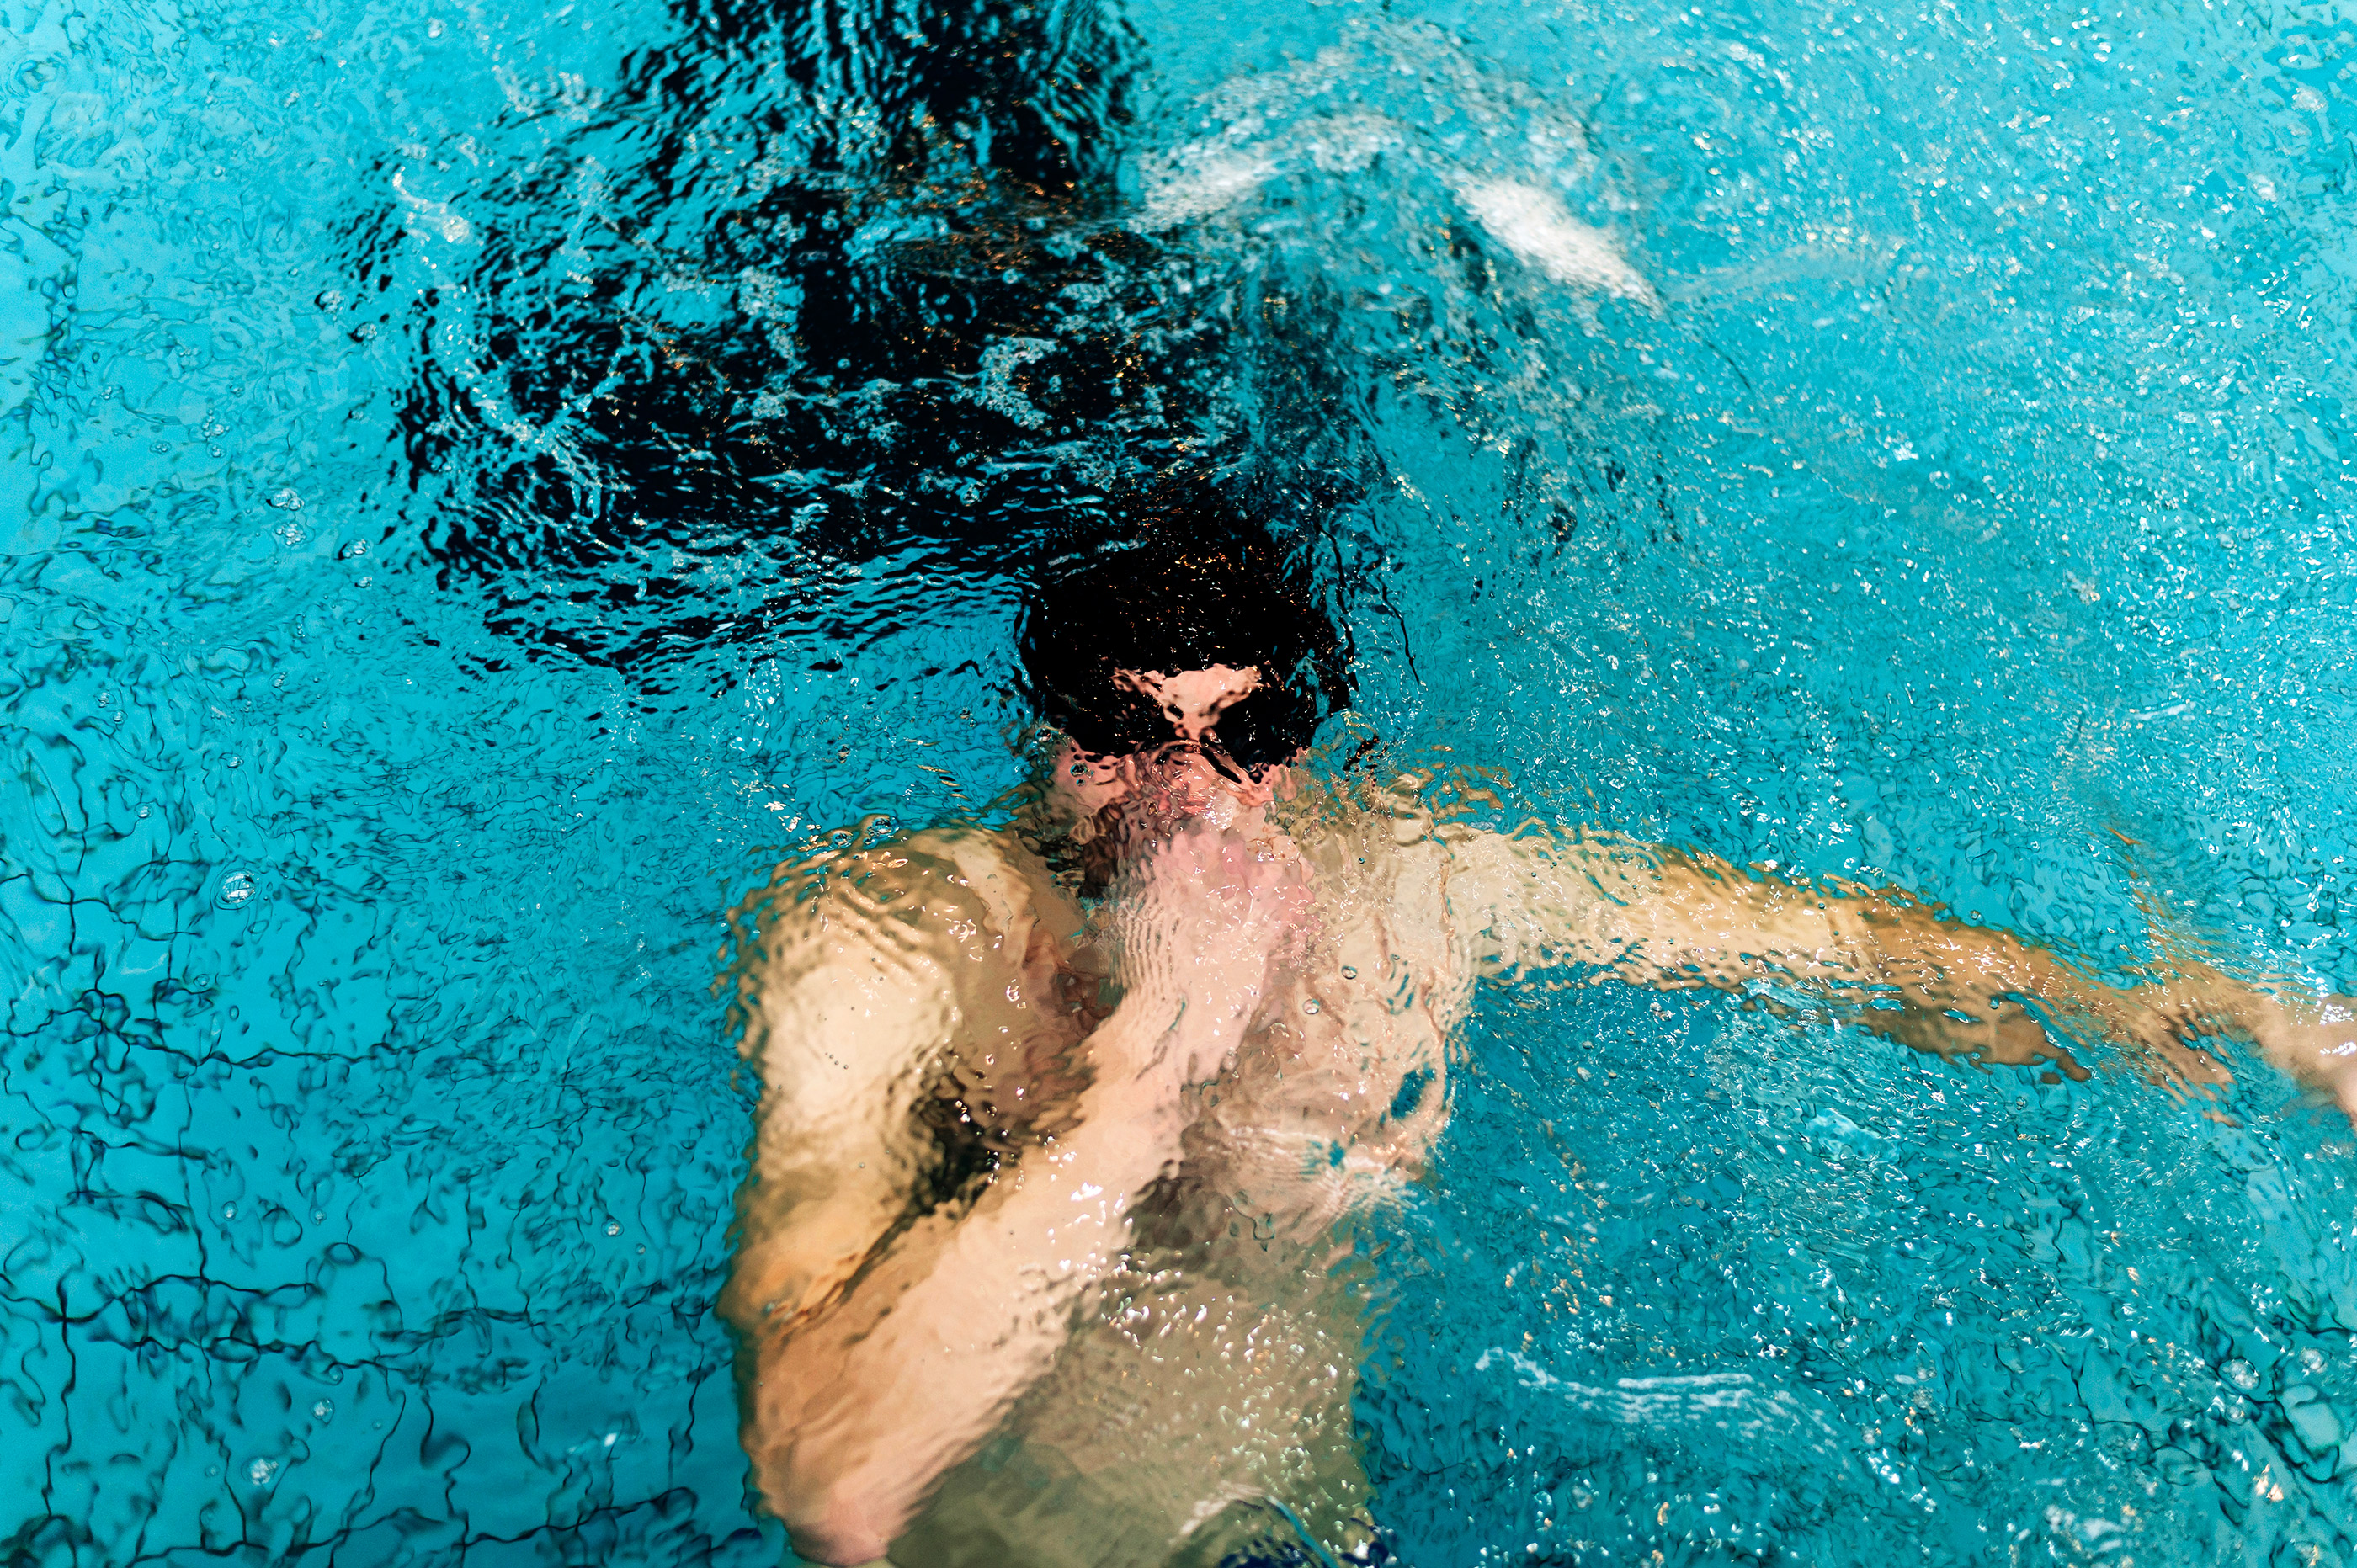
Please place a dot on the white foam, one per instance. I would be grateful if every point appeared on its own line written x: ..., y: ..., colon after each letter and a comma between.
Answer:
x: 431, y: 217
x: 998, y: 391
x: 1733, y: 1402
x: 1204, y: 178
x: 1200, y: 180
x: 1533, y: 223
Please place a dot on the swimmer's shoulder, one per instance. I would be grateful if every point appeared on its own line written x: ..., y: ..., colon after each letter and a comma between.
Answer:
x: 1395, y: 824
x: 1466, y: 898
x: 980, y: 887
x: 1011, y: 879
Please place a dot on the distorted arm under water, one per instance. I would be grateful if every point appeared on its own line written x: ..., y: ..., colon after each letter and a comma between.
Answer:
x: 1900, y: 967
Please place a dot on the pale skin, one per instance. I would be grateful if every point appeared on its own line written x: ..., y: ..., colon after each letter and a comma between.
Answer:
x: 1165, y: 1111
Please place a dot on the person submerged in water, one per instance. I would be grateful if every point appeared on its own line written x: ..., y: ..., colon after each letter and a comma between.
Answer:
x: 1043, y: 1255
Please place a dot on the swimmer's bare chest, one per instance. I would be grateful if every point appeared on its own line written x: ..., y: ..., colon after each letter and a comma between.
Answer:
x: 1335, y: 1083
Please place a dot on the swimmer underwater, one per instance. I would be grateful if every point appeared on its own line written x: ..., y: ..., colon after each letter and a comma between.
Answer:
x: 1064, y: 1126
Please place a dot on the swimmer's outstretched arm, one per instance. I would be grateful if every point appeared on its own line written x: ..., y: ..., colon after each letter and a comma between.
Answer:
x: 1677, y: 921
x: 863, y: 1403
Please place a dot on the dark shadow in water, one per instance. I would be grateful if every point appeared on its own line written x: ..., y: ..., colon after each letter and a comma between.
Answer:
x: 808, y: 291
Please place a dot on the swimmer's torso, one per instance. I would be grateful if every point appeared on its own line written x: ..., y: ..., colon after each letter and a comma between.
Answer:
x: 1334, y: 1091
x: 1217, y: 1365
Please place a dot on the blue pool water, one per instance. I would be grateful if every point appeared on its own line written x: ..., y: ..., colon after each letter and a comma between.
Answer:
x: 483, y: 483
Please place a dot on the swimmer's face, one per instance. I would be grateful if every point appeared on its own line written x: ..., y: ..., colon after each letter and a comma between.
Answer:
x: 1177, y: 778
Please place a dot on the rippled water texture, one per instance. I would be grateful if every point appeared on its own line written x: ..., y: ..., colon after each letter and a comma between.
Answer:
x: 481, y: 484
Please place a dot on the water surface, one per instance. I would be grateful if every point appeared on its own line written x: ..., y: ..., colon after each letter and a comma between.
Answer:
x: 485, y: 483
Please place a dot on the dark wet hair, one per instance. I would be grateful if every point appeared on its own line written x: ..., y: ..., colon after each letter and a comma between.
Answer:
x: 1185, y: 582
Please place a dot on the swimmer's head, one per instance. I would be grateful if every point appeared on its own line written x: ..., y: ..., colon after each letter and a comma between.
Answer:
x: 1191, y: 630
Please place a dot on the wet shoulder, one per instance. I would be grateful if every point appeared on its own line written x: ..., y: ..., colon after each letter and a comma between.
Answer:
x: 948, y: 893
x: 1454, y: 901
x: 947, y: 958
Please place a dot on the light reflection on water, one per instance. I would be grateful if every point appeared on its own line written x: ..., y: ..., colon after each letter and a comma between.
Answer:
x: 487, y: 483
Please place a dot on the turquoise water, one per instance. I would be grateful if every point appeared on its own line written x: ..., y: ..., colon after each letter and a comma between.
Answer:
x: 483, y: 483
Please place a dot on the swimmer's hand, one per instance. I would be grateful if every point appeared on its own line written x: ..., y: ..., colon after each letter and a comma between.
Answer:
x: 1201, y: 924
x: 2168, y: 1017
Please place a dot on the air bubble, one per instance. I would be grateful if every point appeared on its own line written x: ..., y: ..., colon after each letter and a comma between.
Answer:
x: 613, y: 1228
x: 288, y: 500
x: 261, y: 1470
x: 323, y: 1410
x: 229, y: 1211
x: 237, y: 890
x: 1310, y: 1005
